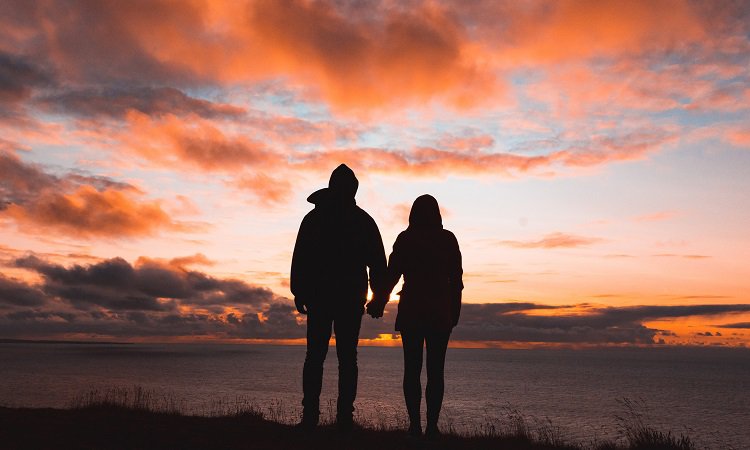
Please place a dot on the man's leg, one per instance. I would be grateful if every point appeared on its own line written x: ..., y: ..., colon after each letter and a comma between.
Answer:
x: 318, y: 334
x: 413, y: 343
x: 346, y: 326
x: 437, y: 344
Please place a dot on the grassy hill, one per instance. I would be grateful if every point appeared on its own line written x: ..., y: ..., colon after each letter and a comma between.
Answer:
x: 111, y: 426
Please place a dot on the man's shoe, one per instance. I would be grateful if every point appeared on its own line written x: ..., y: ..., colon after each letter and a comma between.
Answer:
x: 432, y: 433
x: 307, y: 424
x: 344, y: 424
x: 305, y: 427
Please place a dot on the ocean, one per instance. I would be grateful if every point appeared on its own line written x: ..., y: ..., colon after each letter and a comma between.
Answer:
x: 701, y: 392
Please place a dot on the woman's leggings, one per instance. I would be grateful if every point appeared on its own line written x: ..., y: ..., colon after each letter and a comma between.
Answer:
x: 414, y: 342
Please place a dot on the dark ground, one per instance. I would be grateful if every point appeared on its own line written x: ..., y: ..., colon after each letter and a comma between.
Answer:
x: 117, y: 427
x: 122, y: 428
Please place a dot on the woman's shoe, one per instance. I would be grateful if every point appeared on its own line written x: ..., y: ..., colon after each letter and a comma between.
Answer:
x: 415, y: 429
x: 432, y: 432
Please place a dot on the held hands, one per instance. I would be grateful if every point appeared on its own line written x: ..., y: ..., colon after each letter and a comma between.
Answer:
x: 376, y: 307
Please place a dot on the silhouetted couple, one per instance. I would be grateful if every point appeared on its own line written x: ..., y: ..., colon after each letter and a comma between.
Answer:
x: 336, y: 244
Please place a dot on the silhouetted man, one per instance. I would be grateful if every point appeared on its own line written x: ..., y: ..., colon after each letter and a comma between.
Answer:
x: 336, y: 243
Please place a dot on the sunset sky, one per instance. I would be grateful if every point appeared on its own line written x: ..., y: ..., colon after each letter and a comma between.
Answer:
x: 592, y: 158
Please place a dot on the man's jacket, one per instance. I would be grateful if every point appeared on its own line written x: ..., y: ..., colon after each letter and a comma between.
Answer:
x: 336, y: 244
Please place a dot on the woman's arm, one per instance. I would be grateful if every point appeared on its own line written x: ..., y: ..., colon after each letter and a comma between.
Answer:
x: 456, y: 278
x: 395, y: 264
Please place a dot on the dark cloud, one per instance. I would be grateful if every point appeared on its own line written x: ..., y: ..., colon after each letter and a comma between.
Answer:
x: 591, y: 325
x: 279, y: 323
x: 588, y: 324
x: 98, y: 182
x: 163, y: 298
x: 19, y: 76
x: 149, y: 285
x: 634, y: 313
x: 18, y: 293
x: 487, y: 322
x: 276, y: 322
x: 116, y: 102
x: 102, y: 41
x: 735, y: 325
x: 25, y: 315
x: 20, y: 181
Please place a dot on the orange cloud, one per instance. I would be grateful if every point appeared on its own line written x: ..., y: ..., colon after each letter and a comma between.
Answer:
x: 355, y: 55
x: 196, y: 259
x: 267, y: 189
x: 193, y: 142
x: 739, y: 137
x: 76, y: 205
x: 371, y: 55
x: 365, y: 55
x: 569, y: 29
x: 466, y: 143
x: 554, y: 240
x: 88, y: 212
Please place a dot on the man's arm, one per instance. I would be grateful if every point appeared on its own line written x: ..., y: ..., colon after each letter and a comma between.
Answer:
x: 376, y: 262
x: 299, y: 279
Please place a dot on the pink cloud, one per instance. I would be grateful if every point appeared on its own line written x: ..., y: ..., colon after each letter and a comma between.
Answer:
x: 554, y: 240
x: 673, y: 255
x: 656, y: 216
x: 259, y: 166
x: 268, y: 190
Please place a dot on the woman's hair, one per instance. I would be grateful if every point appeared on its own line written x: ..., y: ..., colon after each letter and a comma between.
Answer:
x: 425, y: 213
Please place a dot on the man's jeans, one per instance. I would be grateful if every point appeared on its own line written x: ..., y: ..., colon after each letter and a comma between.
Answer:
x: 346, y: 326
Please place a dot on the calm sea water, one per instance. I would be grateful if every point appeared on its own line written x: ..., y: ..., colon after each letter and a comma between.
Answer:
x: 700, y: 392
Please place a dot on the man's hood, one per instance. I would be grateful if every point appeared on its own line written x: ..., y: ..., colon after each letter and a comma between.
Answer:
x: 342, y: 187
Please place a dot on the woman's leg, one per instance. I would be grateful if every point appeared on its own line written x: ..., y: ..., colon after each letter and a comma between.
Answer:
x: 437, y: 344
x: 413, y: 343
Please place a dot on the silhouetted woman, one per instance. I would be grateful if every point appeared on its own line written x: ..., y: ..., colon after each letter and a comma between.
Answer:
x: 430, y: 303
